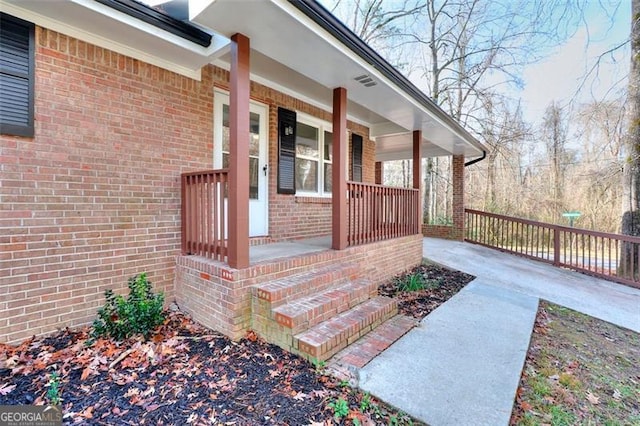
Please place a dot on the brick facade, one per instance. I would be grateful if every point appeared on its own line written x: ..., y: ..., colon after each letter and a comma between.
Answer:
x: 220, y: 298
x: 457, y: 230
x: 94, y: 197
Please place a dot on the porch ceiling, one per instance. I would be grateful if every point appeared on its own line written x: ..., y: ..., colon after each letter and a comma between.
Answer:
x: 292, y: 51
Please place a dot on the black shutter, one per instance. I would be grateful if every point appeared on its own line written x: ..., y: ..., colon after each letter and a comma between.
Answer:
x: 356, y: 158
x: 286, y: 151
x: 17, y: 52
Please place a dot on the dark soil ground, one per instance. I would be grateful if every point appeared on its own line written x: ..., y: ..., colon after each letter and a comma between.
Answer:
x: 579, y: 371
x: 440, y: 284
x: 186, y: 374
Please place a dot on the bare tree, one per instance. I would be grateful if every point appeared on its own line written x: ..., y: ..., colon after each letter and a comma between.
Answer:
x: 554, y: 133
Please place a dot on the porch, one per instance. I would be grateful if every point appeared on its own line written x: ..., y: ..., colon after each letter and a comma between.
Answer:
x: 313, y: 296
x: 301, y: 295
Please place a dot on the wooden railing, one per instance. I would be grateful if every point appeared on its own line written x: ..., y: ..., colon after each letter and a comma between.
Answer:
x: 204, y: 223
x: 611, y: 256
x: 379, y: 213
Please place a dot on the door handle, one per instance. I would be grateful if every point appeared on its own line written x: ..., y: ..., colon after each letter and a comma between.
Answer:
x: 265, y: 168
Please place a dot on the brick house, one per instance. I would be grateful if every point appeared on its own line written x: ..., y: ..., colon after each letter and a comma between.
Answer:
x: 208, y: 147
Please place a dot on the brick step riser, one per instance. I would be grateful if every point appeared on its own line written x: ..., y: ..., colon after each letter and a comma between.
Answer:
x: 352, y: 333
x: 306, y: 285
x: 325, y: 310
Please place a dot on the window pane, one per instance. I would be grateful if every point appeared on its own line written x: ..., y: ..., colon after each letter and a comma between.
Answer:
x: 306, y: 175
x: 253, y: 178
x: 225, y: 160
x: 328, y: 146
x: 306, y: 140
x: 225, y: 116
x: 254, y: 136
x: 327, y: 177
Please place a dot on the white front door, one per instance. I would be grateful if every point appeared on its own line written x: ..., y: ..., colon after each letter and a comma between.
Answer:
x: 258, y: 167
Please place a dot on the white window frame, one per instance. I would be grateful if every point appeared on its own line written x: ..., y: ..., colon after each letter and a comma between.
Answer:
x: 322, y: 126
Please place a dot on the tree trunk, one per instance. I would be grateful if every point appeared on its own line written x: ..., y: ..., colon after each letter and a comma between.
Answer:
x: 631, y: 176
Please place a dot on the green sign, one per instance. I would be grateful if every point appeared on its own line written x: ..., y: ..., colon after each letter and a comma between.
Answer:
x: 571, y: 214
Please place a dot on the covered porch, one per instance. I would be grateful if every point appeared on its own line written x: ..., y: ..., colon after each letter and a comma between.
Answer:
x: 341, y: 75
x: 310, y: 296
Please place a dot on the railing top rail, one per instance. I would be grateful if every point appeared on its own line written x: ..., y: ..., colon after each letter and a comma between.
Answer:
x: 206, y: 172
x: 621, y: 237
x: 374, y: 185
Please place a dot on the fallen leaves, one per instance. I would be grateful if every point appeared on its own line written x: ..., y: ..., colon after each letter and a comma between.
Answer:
x: 592, y: 398
x: 6, y: 388
x: 182, y: 375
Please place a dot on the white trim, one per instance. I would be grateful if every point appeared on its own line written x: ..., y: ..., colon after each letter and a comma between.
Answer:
x: 100, y: 41
x: 286, y: 7
x: 322, y: 126
x: 290, y: 92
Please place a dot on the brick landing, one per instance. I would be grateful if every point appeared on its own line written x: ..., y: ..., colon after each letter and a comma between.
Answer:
x: 346, y: 363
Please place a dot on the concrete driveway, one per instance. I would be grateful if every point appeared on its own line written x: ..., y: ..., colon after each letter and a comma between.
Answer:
x: 462, y: 364
x: 602, y: 299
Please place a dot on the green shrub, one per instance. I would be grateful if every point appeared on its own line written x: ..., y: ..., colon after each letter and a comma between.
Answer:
x: 340, y: 408
x: 53, y: 393
x: 416, y: 281
x: 139, y: 313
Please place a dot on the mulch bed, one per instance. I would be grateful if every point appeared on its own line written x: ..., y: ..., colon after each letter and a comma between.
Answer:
x: 418, y: 304
x: 187, y: 374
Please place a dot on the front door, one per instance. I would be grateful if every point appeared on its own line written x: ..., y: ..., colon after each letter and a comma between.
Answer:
x: 258, y: 167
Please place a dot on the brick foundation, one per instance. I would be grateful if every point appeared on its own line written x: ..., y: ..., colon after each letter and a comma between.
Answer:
x: 220, y: 298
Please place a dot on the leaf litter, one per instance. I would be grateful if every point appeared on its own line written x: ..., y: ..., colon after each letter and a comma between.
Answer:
x: 578, y: 370
x: 187, y: 374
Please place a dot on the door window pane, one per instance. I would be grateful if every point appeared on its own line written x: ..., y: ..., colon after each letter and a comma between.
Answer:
x: 254, y: 148
x: 254, y: 169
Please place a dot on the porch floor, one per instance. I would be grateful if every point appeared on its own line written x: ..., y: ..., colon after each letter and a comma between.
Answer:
x: 269, y: 252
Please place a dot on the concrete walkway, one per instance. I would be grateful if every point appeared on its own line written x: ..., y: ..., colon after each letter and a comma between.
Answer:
x: 462, y: 365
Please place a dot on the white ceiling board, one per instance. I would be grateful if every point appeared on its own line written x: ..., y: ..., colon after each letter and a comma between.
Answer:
x: 279, y: 32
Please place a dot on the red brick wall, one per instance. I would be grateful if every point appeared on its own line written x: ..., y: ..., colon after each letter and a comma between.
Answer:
x: 298, y: 216
x: 94, y: 197
x: 457, y: 230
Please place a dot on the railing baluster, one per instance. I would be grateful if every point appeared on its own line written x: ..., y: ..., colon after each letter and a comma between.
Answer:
x: 611, y: 256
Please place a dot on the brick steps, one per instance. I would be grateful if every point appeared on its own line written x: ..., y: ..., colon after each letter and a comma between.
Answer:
x: 327, y: 338
x: 301, y: 314
x: 345, y: 364
x: 302, y: 285
x: 321, y: 311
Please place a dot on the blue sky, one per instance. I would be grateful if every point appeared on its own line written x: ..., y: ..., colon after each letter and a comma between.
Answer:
x: 561, y: 73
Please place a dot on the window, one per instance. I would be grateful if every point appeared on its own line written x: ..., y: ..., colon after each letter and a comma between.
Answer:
x: 254, y: 148
x: 314, y: 144
x: 17, y: 54
x: 356, y: 158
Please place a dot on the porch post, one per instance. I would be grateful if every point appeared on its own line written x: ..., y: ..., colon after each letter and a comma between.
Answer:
x: 417, y: 176
x: 457, y: 194
x: 238, y: 243
x: 379, y: 172
x: 339, y: 170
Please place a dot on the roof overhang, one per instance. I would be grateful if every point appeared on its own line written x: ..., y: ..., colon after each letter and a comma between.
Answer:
x: 297, y: 47
x: 120, y: 30
x: 297, y: 51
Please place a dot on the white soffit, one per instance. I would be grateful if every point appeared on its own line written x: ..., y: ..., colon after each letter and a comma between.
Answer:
x: 280, y: 32
x: 108, y: 28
